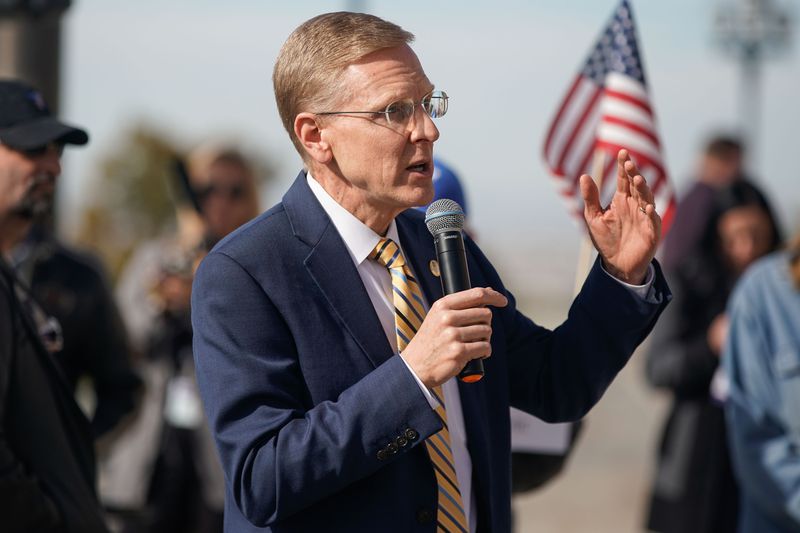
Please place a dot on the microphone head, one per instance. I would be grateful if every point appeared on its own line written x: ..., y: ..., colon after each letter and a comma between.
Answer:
x: 443, y: 215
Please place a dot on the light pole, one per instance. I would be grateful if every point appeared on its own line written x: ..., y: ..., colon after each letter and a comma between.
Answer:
x: 30, y: 39
x: 750, y: 31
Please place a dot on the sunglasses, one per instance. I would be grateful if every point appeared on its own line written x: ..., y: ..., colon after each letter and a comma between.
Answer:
x: 231, y: 192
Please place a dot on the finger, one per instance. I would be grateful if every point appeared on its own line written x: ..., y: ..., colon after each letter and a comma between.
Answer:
x: 631, y: 171
x: 650, y: 211
x: 623, y: 182
x: 468, y: 317
x: 477, y: 350
x: 630, y: 168
x: 591, y: 198
x: 643, y: 190
x: 474, y: 297
x: 475, y: 333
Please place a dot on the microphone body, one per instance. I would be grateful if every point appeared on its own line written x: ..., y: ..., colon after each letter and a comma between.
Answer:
x: 453, y: 272
x: 452, y: 261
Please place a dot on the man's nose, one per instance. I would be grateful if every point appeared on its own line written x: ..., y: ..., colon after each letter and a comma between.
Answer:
x: 422, y: 126
x: 50, y: 161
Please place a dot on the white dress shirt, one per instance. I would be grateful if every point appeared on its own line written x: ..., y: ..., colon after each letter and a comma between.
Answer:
x: 360, y: 241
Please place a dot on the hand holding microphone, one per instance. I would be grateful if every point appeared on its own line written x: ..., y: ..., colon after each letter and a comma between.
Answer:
x: 455, y: 335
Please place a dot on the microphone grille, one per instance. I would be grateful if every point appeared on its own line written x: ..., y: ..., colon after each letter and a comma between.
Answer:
x: 444, y: 214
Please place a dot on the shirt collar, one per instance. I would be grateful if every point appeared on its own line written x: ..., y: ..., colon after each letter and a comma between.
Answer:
x: 359, y: 238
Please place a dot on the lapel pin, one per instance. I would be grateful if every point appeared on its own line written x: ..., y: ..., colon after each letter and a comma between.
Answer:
x: 434, y: 266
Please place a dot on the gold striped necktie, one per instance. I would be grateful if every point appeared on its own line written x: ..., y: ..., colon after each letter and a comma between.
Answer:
x: 408, y: 315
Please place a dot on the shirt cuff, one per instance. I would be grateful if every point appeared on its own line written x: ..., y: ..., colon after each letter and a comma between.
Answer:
x: 639, y: 290
x: 428, y: 394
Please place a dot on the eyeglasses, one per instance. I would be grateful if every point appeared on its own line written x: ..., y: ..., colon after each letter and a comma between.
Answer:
x: 400, y: 112
x: 231, y: 192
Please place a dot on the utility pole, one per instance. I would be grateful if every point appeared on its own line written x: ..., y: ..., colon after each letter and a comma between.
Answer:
x: 30, y: 44
x: 751, y: 31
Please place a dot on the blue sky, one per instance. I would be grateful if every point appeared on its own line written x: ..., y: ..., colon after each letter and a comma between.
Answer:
x: 201, y: 68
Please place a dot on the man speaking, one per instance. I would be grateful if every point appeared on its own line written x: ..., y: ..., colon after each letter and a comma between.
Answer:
x: 325, y: 351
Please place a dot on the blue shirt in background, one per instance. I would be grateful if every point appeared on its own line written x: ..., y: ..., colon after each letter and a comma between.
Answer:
x: 762, y: 361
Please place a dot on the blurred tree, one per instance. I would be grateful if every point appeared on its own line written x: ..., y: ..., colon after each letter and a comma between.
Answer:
x: 135, y: 196
x: 131, y: 200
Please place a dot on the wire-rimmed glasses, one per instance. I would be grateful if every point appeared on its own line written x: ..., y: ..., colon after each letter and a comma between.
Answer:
x: 399, y: 113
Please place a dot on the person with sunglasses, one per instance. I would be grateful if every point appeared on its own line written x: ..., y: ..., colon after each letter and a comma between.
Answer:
x: 47, y: 464
x: 325, y: 353
x: 169, y: 477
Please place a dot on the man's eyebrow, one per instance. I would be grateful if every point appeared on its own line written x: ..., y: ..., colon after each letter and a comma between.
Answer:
x: 383, y: 103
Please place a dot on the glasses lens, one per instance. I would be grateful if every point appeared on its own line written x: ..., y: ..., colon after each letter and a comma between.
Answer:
x: 435, y: 104
x: 399, y: 112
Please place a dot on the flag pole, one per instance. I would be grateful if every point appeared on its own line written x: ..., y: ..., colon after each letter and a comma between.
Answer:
x: 587, y: 251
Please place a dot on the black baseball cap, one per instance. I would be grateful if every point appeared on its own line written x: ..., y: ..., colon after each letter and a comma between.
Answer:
x: 26, y: 123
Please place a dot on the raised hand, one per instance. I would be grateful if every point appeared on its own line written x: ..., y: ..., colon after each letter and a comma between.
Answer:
x: 627, y: 232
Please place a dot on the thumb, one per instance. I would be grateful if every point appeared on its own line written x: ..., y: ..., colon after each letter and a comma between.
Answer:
x: 591, y: 198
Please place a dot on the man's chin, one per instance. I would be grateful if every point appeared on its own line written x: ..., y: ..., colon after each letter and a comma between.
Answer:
x: 425, y: 196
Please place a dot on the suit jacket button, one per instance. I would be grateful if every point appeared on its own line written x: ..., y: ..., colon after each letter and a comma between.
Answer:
x: 382, y: 455
x: 401, y: 441
x: 391, y: 448
x: 424, y: 516
x: 411, y: 434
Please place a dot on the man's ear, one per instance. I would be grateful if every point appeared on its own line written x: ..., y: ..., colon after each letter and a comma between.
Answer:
x: 308, y: 130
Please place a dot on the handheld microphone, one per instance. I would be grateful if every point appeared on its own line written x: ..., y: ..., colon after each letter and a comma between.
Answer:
x: 445, y: 220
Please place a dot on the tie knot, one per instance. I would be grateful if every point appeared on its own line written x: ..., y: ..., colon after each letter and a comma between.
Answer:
x: 388, y: 254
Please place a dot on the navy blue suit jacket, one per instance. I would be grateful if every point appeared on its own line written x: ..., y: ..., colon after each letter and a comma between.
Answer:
x: 302, y: 389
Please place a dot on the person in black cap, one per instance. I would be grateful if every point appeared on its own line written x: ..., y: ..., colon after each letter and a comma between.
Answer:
x: 47, y: 464
x: 31, y: 140
x: 69, y: 285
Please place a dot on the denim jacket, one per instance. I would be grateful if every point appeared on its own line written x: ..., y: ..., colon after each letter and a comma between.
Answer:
x: 762, y: 361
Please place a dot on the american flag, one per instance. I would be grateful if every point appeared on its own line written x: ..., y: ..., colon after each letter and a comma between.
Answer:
x: 608, y: 108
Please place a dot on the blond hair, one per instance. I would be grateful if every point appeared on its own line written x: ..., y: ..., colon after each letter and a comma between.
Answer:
x: 307, y: 72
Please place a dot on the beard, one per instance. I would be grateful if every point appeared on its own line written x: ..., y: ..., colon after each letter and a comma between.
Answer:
x: 36, y: 202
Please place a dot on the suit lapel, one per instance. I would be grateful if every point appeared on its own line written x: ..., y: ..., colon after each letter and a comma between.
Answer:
x: 332, y: 270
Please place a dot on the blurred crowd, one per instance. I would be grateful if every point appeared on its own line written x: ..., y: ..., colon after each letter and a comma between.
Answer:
x: 140, y: 457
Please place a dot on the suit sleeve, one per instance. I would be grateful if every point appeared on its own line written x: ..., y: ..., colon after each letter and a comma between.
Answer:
x: 24, y: 506
x: 559, y: 375
x: 281, y: 453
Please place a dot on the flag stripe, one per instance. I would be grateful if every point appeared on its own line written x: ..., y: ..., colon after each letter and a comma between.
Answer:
x: 590, y: 107
x: 557, y: 121
x: 586, y: 92
x: 619, y: 136
x: 619, y: 108
x: 625, y: 97
x: 635, y: 128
